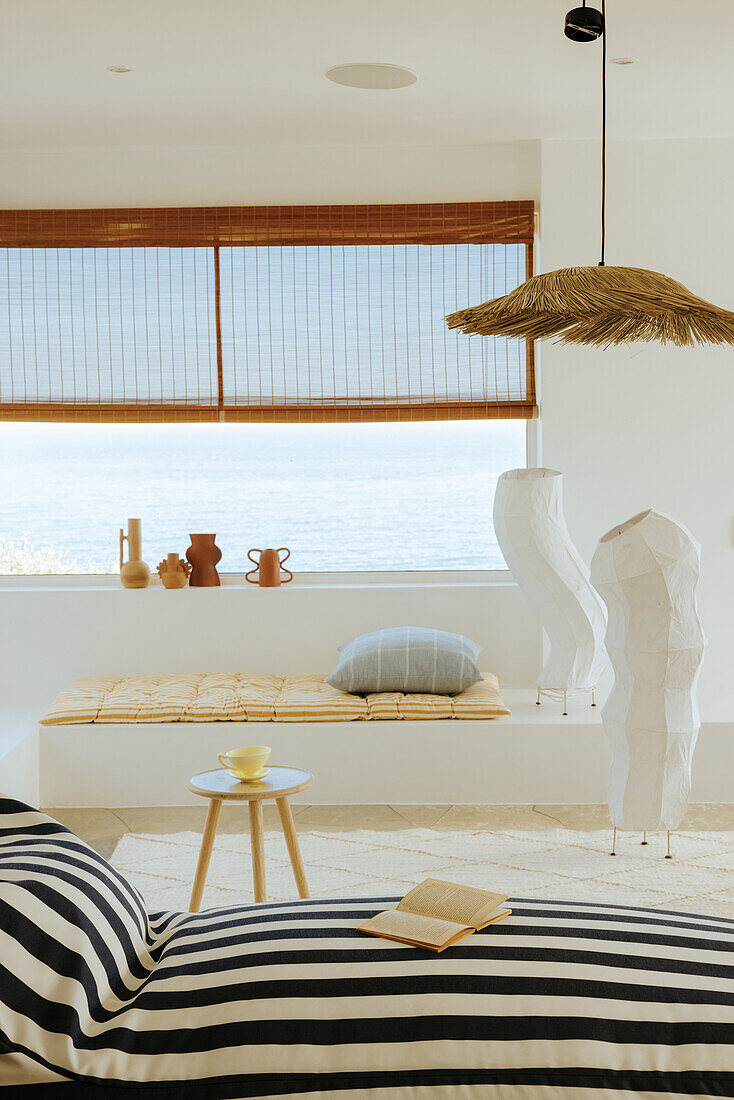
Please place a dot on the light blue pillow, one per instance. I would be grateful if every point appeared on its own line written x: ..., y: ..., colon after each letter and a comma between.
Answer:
x: 407, y: 658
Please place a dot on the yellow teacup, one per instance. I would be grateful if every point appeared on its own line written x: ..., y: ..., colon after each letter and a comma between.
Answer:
x: 247, y: 761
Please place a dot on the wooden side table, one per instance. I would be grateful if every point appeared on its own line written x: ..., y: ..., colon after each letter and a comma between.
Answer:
x: 219, y: 785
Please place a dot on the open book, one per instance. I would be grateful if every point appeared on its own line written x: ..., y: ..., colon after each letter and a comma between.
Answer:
x: 436, y: 914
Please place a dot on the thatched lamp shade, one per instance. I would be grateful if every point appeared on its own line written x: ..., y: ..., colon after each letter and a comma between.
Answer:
x: 600, y: 306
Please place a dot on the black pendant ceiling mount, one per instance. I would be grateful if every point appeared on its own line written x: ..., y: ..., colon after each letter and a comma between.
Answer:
x: 584, y: 24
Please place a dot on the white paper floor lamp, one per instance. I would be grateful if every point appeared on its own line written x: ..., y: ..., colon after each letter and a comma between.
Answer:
x: 647, y: 571
x: 532, y: 534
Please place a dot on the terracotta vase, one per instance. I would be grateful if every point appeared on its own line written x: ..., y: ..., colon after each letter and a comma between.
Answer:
x: 134, y: 573
x: 203, y: 555
x: 269, y: 566
x: 174, y: 572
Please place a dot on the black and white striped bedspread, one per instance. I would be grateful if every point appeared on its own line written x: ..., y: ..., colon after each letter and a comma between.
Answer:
x: 563, y: 1000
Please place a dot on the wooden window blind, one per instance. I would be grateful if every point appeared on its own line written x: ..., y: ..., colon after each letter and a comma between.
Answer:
x: 260, y: 313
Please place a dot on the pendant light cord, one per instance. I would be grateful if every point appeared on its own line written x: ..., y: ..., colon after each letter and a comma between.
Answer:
x: 603, y: 132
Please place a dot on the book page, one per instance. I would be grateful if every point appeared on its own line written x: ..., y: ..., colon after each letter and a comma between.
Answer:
x: 412, y: 926
x: 450, y: 902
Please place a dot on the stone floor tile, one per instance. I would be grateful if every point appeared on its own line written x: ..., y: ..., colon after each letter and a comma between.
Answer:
x: 350, y: 817
x: 709, y: 816
x: 575, y: 817
x: 493, y: 817
x: 100, y: 828
x: 422, y: 816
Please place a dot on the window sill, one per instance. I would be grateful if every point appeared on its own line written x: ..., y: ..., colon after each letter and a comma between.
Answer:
x: 455, y: 578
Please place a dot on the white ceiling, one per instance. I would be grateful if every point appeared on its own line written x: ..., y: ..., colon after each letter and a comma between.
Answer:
x: 239, y: 72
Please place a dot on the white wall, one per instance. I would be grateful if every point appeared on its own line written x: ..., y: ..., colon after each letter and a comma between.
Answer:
x: 52, y: 636
x: 55, y: 636
x: 19, y: 754
x: 268, y: 174
x: 649, y: 426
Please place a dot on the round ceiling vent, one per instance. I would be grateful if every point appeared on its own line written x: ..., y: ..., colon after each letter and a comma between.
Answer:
x: 377, y: 76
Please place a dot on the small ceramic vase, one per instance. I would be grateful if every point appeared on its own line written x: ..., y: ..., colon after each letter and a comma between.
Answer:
x: 174, y: 572
x: 134, y: 573
x: 268, y: 567
x: 203, y: 555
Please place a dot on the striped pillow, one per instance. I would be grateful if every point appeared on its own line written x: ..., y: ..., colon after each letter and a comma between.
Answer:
x: 408, y: 659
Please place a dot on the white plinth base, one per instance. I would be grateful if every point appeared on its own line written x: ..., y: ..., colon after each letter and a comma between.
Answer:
x: 19, y: 743
x: 535, y: 757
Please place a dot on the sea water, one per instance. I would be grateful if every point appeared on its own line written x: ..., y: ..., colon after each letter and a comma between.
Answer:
x: 341, y: 496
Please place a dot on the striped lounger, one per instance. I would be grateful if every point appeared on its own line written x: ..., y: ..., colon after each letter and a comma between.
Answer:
x: 563, y: 1000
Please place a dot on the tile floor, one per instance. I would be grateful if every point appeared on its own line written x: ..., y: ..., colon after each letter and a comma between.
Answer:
x: 102, y: 828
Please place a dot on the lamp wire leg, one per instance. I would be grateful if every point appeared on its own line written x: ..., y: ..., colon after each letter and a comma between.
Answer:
x: 565, y: 708
x: 668, y: 856
x: 644, y: 839
x: 614, y: 843
x: 537, y: 701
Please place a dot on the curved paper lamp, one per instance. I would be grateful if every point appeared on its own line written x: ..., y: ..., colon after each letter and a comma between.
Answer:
x: 532, y: 534
x: 600, y: 306
x: 647, y: 571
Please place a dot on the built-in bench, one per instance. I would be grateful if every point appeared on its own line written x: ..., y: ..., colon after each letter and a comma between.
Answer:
x: 174, y: 726
x: 536, y: 756
x: 59, y: 629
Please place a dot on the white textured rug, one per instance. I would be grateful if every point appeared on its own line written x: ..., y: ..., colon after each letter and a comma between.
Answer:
x: 557, y: 863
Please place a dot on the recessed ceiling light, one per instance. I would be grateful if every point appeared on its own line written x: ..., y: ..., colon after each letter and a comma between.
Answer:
x: 375, y: 75
x: 623, y: 61
x: 118, y: 69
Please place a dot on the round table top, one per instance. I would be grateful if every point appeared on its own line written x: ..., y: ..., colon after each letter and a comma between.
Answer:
x: 280, y: 783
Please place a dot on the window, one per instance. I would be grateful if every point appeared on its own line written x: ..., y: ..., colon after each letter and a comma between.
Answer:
x: 107, y: 326
x: 362, y: 433
x: 341, y: 496
x: 309, y: 329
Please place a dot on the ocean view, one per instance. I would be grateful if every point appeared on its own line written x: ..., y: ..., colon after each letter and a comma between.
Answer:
x: 341, y: 496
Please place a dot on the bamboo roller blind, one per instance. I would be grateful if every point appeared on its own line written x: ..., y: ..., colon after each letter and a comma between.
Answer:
x: 275, y: 313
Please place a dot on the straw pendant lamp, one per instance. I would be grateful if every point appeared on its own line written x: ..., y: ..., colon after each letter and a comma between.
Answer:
x: 599, y: 306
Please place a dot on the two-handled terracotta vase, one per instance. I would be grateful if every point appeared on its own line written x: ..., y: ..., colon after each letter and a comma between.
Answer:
x: 268, y: 567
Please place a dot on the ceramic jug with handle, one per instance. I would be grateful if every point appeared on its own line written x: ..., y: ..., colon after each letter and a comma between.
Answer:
x: 268, y: 567
x: 134, y: 573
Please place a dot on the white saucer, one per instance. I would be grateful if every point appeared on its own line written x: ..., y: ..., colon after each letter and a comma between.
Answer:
x: 250, y: 778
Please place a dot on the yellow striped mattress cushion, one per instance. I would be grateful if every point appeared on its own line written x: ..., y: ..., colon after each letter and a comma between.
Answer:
x: 237, y: 697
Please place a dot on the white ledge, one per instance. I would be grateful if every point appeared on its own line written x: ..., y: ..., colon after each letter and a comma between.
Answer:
x: 408, y: 579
